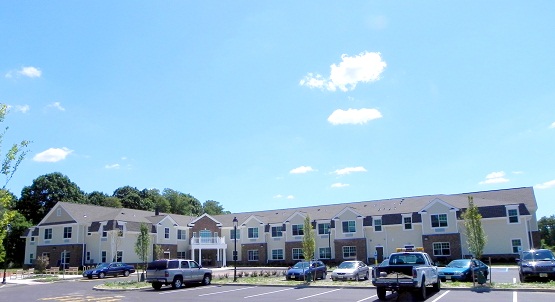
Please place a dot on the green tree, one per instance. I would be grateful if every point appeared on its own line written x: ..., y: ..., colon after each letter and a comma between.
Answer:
x: 475, y: 236
x: 142, y: 245
x: 212, y: 207
x: 132, y: 198
x: 47, y: 190
x: 546, y: 226
x: 309, y: 242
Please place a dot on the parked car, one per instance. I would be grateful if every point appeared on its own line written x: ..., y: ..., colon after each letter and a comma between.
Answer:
x: 300, y: 271
x: 113, y: 268
x: 176, y: 272
x: 351, y: 270
x: 536, y: 264
x: 461, y: 270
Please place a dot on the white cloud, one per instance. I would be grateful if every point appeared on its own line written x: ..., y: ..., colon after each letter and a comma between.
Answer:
x: 112, y: 166
x: 52, y: 155
x: 365, y: 67
x: 302, y: 170
x: 495, y: 178
x: 278, y: 196
x: 20, y: 108
x: 28, y: 71
x: 545, y: 185
x: 353, y: 116
x: 290, y: 197
x: 57, y: 105
x: 349, y: 170
x: 552, y: 125
x: 339, y: 185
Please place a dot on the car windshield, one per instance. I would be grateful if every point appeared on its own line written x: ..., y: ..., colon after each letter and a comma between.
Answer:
x: 301, y: 265
x: 459, y: 263
x: 347, y: 265
x: 384, y: 263
x: 540, y: 255
x: 101, y: 265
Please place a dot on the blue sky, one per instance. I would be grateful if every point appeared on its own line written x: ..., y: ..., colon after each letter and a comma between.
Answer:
x: 276, y: 104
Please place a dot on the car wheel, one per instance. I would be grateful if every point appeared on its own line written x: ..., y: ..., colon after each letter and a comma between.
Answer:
x: 101, y: 275
x: 177, y: 283
x: 381, y: 293
x: 437, y: 285
x: 421, y: 293
x: 156, y: 285
x: 206, y: 280
x: 90, y: 277
x: 357, y: 278
x: 126, y: 273
x: 367, y: 276
x: 521, y: 278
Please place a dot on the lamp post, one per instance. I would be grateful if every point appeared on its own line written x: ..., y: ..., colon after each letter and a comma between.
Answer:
x: 8, y: 231
x: 329, y: 240
x: 235, y: 249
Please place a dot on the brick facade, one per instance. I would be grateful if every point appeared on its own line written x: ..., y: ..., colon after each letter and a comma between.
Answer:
x: 359, y: 243
x: 260, y: 247
x: 55, y: 251
x: 454, y: 241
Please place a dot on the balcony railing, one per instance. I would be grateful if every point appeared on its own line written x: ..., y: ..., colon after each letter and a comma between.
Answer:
x: 207, y: 240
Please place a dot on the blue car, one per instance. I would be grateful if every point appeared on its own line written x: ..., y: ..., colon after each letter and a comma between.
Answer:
x: 114, y: 269
x: 461, y: 270
x: 301, y: 270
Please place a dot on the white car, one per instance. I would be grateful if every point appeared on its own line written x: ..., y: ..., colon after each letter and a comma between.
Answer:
x: 351, y: 270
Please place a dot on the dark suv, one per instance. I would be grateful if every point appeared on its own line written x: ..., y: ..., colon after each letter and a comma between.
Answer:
x: 536, y: 264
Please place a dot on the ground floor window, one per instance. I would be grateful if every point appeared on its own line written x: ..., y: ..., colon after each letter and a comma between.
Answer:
x: 324, y: 253
x: 441, y: 249
x: 298, y: 254
x: 88, y: 256
x: 277, y: 254
x: 119, y: 256
x: 181, y: 255
x: 103, y: 256
x: 349, y: 252
x: 253, y: 255
x: 31, y: 258
x: 517, y: 245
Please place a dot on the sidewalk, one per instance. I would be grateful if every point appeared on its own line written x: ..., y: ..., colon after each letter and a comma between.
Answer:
x: 32, y: 280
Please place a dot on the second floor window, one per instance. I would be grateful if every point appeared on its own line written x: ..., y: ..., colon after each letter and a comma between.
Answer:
x: 181, y: 235
x: 47, y: 234
x: 377, y: 224
x: 277, y: 231
x: 513, y: 215
x: 323, y: 228
x: 67, y: 232
x: 439, y: 220
x: 167, y: 233
x: 233, y: 234
x: 297, y: 229
x: 349, y: 226
x: 253, y: 233
x: 407, y: 223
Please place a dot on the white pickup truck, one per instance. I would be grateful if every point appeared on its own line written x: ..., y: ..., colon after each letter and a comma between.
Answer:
x: 408, y: 270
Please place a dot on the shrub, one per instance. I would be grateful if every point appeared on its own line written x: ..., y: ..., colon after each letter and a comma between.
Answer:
x: 41, y: 263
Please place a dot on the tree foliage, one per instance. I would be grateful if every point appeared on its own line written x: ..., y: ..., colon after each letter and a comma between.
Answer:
x: 212, y: 207
x: 546, y: 226
x: 47, y: 190
x: 475, y: 236
x: 309, y: 242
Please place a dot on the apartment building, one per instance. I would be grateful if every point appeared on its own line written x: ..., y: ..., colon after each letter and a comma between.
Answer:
x: 78, y: 234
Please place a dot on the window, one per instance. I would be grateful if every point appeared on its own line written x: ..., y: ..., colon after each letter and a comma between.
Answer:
x: 59, y: 212
x: 67, y: 232
x: 182, y: 255
x: 120, y: 230
x: 513, y: 215
x: 517, y: 245
x: 349, y: 252
x: 119, y: 256
x: 32, y: 238
x: 88, y: 256
x: 47, y: 234
x: 407, y: 223
x: 377, y: 224
x: 104, y: 232
x: 252, y: 233
x: 103, y: 256
x: 46, y: 255
x: 31, y: 258
x: 441, y: 249
x: 324, y: 253
x: 324, y: 228
x: 277, y: 231
x: 166, y: 233
x: 277, y: 254
x: 298, y: 254
x: 297, y: 229
x: 205, y: 236
x: 439, y: 220
x: 65, y: 257
x: 181, y: 235
x: 349, y: 226
x: 253, y: 255
x: 233, y: 234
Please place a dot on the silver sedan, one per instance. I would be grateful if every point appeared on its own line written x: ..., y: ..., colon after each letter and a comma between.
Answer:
x: 351, y: 270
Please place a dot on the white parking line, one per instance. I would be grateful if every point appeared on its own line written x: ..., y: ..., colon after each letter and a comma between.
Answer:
x: 515, y: 298
x: 184, y: 289
x: 367, y: 298
x: 329, y: 291
x: 437, y: 299
x: 276, y: 291
x: 226, y: 291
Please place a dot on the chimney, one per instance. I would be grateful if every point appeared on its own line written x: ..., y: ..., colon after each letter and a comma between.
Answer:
x: 156, y: 211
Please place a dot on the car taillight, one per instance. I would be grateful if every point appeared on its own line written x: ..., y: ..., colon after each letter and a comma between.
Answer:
x: 414, y: 275
x: 166, y: 274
